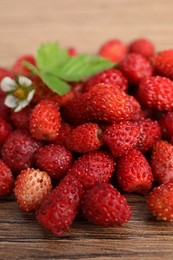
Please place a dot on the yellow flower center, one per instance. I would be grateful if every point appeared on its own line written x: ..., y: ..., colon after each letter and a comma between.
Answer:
x: 20, y: 92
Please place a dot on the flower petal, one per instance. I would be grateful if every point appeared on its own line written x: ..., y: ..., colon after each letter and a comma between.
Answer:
x: 8, y: 84
x: 21, y: 105
x: 24, y: 81
x: 30, y: 95
x: 10, y: 101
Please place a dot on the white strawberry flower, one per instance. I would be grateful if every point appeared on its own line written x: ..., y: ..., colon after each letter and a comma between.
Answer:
x: 19, y: 92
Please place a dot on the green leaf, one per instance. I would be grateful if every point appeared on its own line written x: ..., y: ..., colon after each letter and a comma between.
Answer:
x: 50, y: 56
x: 55, y: 84
x: 81, y: 67
x: 31, y: 67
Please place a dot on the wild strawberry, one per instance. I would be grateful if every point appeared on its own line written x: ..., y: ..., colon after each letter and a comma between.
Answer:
x: 135, y: 68
x: 84, y: 138
x: 114, y: 50
x: 121, y: 137
x: 6, y: 179
x: 4, y: 110
x: 31, y: 187
x: 59, y: 209
x: 150, y: 133
x: 161, y: 162
x: 45, y: 121
x: 21, y: 119
x: 110, y: 76
x: 93, y: 168
x: 166, y: 123
x: 5, y: 131
x: 18, y: 151
x: 160, y: 202
x: 163, y: 63
x: 134, y: 173
x: 108, y: 103
x: 19, y: 69
x: 72, y: 52
x: 54, y: 159
x: 156, y: 92
x: 76, y: 111
x: 142, y: 46
x: 103, y: 205
x: 64, y: 130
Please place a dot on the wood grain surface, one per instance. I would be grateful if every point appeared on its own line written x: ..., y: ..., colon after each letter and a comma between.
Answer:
x: 86, y: 25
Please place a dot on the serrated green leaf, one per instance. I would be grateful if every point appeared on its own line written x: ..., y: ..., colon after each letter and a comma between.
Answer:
x: 55, y: 84
x: 81, y: 67
x: 50, y: 56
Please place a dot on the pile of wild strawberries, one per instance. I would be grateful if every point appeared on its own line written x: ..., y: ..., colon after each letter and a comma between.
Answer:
x: 112, y: 133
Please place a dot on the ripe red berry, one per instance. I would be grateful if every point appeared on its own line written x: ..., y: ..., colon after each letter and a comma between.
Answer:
x: 166, y: 123
x: 54, y: 159
x: 93, y: 168
x: 72, y: 52
x: 84, y: 138
x: 135, y: 68
x: 121, y: 137
x: 21, y: 119
x: 163, y: 63
x: 134, y: 173
x: 31, y: 187
x: 19, y: 149
x: 45, y: 121
x: 59, y: 209
x: 156, y: 92
x: 160, y: 202
x: 6, y: 179
x: 142, y: 46
x: 150, y: 133
x: 103, y: 205
x: 110, y: 76
x: 114, y: 50
x: 19, y: 69
x: 161, y: 162
x: 5, y: 131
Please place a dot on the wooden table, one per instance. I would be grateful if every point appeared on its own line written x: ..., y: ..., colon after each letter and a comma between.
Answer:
x: 86, y: 25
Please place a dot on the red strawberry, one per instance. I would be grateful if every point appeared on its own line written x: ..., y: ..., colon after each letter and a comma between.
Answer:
x: 58, y: 211
x: 103, y: 205
x: 54, y: 159
x: 142, y: 46
x: 72, y: 52
x: 6, y: 179
x: 93, y: 168
x: 84, y: 138
x: 5, y: 131
x: 121, y: 137
x: 166, y: 123
x: 134, y: 173
x: 163, y: 63
x: 18, y: 150
x: 75, y: 111
x: 45, y: 121
x: 160, y: 202
x: 114, y: 50
x: 19, y: 69
x: 150, y: 133
x: 64, y: 130
x: 108, y: 103
x: 110, y: 76
x: 135, y: 68
x: 161, y: 162
x: 21, y: 119
x: 31, y: 187
x: 156, y: 92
